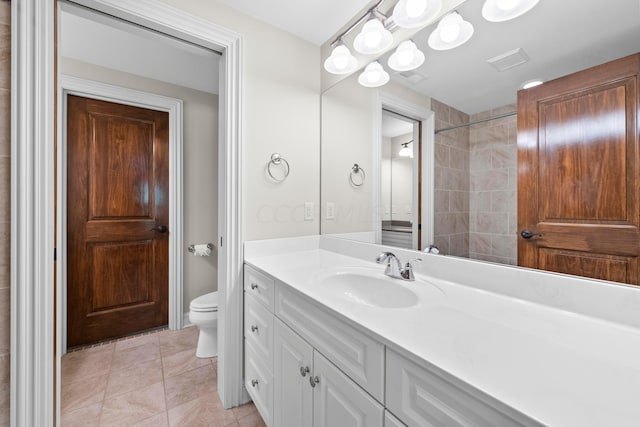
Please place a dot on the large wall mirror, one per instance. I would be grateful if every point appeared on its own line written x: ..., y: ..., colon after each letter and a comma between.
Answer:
x: 458, y: 114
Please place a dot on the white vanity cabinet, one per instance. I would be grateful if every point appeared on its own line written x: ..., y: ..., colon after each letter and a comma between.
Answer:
x: 311, y: 392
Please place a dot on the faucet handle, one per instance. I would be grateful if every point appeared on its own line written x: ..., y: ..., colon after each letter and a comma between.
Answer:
x: 407, y: 271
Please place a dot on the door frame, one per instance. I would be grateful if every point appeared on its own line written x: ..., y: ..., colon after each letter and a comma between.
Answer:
x: 426, y: 118
x: 70, y: 85
x: 35, y: 382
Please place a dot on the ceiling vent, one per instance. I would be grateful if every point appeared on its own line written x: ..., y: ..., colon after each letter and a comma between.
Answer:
x: 413, y: 77
x: 508, y: 60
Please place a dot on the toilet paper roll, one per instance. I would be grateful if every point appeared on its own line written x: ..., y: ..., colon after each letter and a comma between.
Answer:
x: 201, y: 250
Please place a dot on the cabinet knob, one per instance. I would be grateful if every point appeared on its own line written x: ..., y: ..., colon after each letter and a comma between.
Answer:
x: 254, y: 286
x: 314, y: 380
x: 254, y: 328
x: 304, y: 370
x: 254, y: 383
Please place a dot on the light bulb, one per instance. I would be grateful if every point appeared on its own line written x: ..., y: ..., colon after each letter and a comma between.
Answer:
x: 341, y: 61
x: 373, y: 75
x: 405, y: 57
x: 507, y: 5
x: 415, y: 8
x: 372, y: 39
x: 450, y: 27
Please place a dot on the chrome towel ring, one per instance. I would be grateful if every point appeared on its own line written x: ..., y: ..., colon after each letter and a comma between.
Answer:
x: 278, y: 161
x: 357, y: 176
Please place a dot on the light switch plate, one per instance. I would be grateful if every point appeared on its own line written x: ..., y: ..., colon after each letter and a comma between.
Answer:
x: 331, y: 210
x: 308, y: 211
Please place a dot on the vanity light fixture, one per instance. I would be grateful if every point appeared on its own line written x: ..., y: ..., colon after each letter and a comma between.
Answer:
x: 504, y: 10
x: 373, y: 75
x: 406, y: 57
x: 405, y: 151
x: 415, y: 13
x: 532, y: 83
x: 373, y: 38
x: 452, y: 31
x: 341, y: 61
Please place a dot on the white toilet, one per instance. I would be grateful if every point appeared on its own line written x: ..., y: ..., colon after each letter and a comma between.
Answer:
x: 203, y: 312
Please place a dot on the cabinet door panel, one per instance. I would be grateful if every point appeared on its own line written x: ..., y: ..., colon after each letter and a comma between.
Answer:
x: 338, y: 401
x: 360, y: 357
x: 391, y: 421
x: 293, y: 393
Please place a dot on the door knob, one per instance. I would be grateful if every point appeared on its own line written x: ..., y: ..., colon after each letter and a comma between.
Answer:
x: 304, y: 370
x: 160, y: 228
x: 527, y: 234
x: 314, y: 380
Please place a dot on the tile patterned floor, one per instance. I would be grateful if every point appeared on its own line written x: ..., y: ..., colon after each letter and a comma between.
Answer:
x: 148, y: 380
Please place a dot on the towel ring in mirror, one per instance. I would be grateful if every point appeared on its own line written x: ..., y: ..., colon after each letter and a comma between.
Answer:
x: 278, y: 161
x: 356, y: 176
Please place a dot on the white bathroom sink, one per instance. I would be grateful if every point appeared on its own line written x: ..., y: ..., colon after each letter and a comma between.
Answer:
x: 369, y: 288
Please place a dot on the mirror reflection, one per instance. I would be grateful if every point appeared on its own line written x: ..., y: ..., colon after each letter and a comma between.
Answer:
x: 468, y: 150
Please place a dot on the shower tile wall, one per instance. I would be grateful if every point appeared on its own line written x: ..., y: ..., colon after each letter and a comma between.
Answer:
x: 493, y: 172
x: 5, y: 205
x: 451, y: 231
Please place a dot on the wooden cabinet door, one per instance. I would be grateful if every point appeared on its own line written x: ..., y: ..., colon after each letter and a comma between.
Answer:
x: 579, y: 174
x: 117, y: 214
x: 293, y: 402
x: 338, y: 401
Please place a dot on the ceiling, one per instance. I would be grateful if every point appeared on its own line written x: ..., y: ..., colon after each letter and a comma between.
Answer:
x: 107, y: 42
x: 559, y: 37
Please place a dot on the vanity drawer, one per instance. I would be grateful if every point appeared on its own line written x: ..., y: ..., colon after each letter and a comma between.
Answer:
x: 259, y: 286
x: 422, y: 398
x: 357, y: 355
x: 258, y: 328
x: 258, y: 380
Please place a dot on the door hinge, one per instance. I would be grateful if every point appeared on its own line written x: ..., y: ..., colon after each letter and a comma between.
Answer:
x: 220, y: 241
x: 55, y: 254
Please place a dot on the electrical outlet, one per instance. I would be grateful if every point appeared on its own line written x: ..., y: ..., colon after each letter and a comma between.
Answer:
x: 308, y: 211
x: 331, y: 210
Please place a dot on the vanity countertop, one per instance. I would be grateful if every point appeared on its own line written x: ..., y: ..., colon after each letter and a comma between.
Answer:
x: 555, y: 366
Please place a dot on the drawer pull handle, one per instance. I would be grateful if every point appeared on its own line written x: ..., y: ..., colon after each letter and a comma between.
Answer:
x: 314, y: 380
x: 304, y: 370
x: 254, y: 383
x: 254, y: 286
x: 254, y: 328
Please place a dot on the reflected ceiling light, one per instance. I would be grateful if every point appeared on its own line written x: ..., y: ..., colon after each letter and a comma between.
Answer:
x: 406, y: 57
x: 452, y: 31
x: 405, y: 151
x: 341, y: 61
x: 373, y: 38
x: 373, y: 75
x: 504, y: 10
x: 532, y: 83
x: 415, y: 13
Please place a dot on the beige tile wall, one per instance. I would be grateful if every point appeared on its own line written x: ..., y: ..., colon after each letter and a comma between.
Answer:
x: 5, y: 204
x: 493, y: 186
x: 451, y: 231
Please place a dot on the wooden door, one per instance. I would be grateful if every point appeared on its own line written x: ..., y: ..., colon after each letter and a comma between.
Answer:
x: 117, y: 214
x: 293, y: 365
x: 579, y: 174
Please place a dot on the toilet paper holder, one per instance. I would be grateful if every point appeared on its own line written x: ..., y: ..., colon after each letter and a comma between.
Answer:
x: 192, y: 248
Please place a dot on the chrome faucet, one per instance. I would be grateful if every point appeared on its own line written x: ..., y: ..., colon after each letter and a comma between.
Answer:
x: 394, y: 267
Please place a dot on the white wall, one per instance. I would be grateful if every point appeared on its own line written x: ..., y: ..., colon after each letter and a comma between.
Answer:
x: 401, y: 181
x: 200, y: 156
x: 281, y: 113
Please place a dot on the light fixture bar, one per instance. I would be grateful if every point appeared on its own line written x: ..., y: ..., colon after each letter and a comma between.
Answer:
x: 372, y: 11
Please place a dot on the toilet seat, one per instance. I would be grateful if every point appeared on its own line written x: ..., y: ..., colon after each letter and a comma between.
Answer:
x: 205, y: 303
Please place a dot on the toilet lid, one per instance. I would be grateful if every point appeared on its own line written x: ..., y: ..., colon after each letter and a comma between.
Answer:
x: 206, y: 302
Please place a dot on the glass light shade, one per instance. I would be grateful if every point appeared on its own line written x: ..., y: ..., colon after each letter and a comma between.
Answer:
x: 405, y: 151
x: 373, y: 75
x: 415, y: 13
x: 504, y: 10
x: 452, y: 31
x: 341, y: 61
x: 532, y: 83
x: 373, y: 38
x: 406, y: 57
